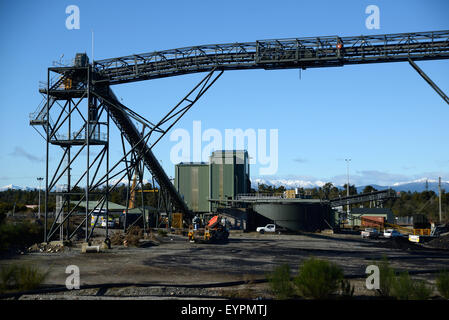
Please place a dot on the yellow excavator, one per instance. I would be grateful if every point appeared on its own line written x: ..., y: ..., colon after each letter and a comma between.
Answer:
x: 213, y: 232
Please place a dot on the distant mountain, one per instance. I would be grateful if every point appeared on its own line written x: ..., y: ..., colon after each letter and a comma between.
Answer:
x: 288, y: 183
x: 14, y: 187
x: 418, y: 185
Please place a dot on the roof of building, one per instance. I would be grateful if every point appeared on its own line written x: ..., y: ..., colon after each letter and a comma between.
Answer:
x: 139, y: 210
x: 228, y: 152
x: 193, y: 164
x: 111, y: 205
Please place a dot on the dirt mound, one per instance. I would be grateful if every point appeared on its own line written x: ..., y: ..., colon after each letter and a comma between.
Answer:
x: 399, y: 243
x: 440, y: 242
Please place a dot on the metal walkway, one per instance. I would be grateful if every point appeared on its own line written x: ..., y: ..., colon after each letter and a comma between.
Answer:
x: 376, y: 196
x: 312, y: 52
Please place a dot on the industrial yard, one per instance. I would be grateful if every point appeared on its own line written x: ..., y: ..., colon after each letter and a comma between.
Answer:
x: 171, y: 267
x: 285, y: 153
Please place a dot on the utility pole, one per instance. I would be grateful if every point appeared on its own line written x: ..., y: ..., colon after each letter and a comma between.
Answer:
x: 439, y: 193
x: 39, y: 210
x: 347, y: 189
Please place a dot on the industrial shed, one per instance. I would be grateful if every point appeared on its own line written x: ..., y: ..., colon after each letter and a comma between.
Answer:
x: 377, y: 214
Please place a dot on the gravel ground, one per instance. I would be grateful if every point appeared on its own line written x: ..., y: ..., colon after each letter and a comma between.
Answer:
x: 172, y: 260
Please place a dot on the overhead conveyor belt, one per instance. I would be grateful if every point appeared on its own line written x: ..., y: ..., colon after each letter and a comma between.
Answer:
x: 381, y: 195
x: 312, y: 52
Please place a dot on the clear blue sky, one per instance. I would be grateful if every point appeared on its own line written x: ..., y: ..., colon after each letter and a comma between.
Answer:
x: 384, y: 117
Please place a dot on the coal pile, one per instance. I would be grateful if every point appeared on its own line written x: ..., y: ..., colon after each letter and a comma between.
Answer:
x: 440, y: 242
x: 399, y: 243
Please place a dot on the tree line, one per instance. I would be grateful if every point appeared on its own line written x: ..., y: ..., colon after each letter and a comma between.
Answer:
x: 405, y: 204
x: 16, y: 200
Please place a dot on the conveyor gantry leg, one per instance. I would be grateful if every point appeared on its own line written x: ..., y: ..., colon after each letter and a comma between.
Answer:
x: 428, y: 80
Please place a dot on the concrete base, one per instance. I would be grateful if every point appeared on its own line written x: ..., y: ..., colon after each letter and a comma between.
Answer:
x: 87, y: 248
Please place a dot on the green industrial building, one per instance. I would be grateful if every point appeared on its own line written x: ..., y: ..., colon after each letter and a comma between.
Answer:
x: 192, y: 182
x: 224, y: 177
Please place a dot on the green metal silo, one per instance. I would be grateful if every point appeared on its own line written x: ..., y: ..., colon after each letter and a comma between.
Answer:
x: 229, y: 174
x: 192, y: 182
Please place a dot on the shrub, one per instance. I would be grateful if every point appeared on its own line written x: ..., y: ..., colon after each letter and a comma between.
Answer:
x: 17, y: 235
x: 386, y: 278
x: 443, y: 284
x: 280, y: 282
x: 2, y: 217
x: 318, y: 279
x: 402, y: 287
x: 405, y: 288
x: 20, y: 278
x: 421, y: 291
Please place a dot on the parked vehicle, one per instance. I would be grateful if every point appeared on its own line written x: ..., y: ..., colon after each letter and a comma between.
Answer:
x: 97, y: 217
x: 370, y: 233
x: 111, y: 223
x: 268, y: 228
x: 214, y: 232
x: 392, y: 233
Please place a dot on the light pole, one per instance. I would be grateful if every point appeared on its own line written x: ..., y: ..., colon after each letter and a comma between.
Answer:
x: 347, y: 189
x: 39, y: 210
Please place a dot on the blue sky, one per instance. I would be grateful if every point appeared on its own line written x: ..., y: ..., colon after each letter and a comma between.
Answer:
x: 383, y: 116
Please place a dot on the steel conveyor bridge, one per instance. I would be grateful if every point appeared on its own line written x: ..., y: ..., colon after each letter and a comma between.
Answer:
x: 311, y: 52
x: 93, y: 81
x: 375, y: 196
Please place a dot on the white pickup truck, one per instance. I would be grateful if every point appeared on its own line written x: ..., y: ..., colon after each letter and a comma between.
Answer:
x: 267, y: 228
x: 370, y: 233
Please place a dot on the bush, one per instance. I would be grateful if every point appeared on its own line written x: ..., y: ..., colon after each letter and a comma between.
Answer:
x: 20, y: 278
x: 421, y: 291
x: 2, y: 217
x: 443, y: 284
x: 318, y: 279
x: 19, y: 235
x: 387, y: 277
x: 280, y: 283
x: 404, y: 288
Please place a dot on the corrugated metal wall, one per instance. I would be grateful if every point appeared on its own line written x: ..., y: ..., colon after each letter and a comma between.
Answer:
x: 192, y: 182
